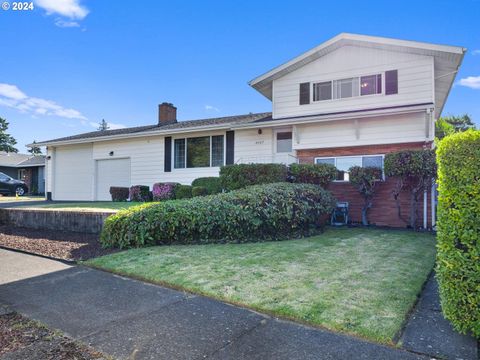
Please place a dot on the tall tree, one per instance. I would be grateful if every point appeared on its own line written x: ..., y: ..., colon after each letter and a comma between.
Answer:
x: 7, y: 141
x: 103, y: 125
x: 451, y: 124
x: 34, y: 149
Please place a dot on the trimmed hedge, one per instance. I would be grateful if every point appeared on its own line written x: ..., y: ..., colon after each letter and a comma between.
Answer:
x: 164, y: 191
x: 119, y: 193
x: 199, y: 191
x: 239, y: 176
x: 264, y: 212
x: 318, y: 174
x: 212, y: 184
x: 140, y: 193
x: 458, y: 244
x: 183, y: 191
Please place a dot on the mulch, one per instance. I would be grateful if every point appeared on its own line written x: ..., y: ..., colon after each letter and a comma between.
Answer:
x: 21, y: 338
x: 57, y: 244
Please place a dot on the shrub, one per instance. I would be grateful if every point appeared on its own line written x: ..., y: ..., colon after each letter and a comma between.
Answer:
x: 140, y: 193
x: 458, y: 244
x: 319, y: 174
x: 415, y: 171
x: 183, y: 191
x: 199, y: 191
x: 238, y: 176
x: 119, y: 193
x: 365, y: 179
x: 263, y: 212
x: 212, y: 184
x: 163, y: 191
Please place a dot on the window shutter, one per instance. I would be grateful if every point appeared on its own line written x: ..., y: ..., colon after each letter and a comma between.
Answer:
x: 230, y: 141
x: 167, y: 161
x: 391, y: 82
x: 304, y: 93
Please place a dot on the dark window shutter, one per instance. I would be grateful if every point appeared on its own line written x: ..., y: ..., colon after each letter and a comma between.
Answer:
x: 391, y: 82
x: 168, y: 154
x: 230, y: 140
x: 304, y: 93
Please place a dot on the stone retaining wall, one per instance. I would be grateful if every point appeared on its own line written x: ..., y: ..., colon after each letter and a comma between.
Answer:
x: 77, y: 221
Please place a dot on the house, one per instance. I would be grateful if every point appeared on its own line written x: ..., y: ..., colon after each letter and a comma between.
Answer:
x: 28, y: 168
x: 348, y: 101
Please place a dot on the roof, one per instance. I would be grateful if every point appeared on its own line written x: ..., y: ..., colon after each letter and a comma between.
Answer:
x: 20, y: 160
x: 170, y: 128
x: 447, y: 60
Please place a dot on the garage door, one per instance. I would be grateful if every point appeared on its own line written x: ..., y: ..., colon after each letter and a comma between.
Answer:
x: 111, y: 172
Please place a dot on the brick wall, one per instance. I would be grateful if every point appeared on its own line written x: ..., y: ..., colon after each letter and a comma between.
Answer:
x: 384, y: 211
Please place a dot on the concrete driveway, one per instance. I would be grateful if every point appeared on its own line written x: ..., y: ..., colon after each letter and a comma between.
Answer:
x: 130, y: 319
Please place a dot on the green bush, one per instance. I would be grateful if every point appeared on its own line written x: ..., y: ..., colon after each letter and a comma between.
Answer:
x: 212, y: 184
x: 318, y: 174
x: 140, y: 193
x: 183, y: 191
x: 458, y: 244
x: 365, y: 179
x: 199, y: 191
x: 239, y: 176
x: 263, y: 212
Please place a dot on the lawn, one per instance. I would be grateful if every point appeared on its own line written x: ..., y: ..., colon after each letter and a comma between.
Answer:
x: 358, y: 281
x: 97, y: 205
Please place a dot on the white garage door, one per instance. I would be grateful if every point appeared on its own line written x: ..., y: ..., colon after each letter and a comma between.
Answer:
x: 111, y: 172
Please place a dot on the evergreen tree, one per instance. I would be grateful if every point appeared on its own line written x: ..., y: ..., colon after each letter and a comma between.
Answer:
x: 35, y: 150
x: 7, y: 141
x: 103, y: 125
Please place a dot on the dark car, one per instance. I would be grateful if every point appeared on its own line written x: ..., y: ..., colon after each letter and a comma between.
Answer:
x: 9, y: 186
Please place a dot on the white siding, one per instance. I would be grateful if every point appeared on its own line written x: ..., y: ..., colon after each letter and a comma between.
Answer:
x: 368, y: 131
x: 111, y: 172
x: 49, y: 169
x: 250, y: 146
x: 415, y: 81
x: 73, y: 171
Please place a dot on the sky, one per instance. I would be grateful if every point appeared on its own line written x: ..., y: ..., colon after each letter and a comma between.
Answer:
x: 68, y: 64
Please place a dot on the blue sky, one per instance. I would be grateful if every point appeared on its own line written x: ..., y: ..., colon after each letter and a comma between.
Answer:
x: 70, y: 63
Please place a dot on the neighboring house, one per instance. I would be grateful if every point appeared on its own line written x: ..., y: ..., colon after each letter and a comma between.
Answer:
x: 349, y: 101
x: 28, y: 168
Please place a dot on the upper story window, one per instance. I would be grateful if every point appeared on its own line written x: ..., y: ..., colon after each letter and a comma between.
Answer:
x: 202, y: 151
x: 350, y: 87
x: 344, y: 163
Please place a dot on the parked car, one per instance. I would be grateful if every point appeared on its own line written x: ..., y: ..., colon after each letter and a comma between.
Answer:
x: 10, y: 186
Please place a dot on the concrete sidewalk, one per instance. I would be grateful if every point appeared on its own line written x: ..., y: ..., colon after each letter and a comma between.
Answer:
x: 135, y: 320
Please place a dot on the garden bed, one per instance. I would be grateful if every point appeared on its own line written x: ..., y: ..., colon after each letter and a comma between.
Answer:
x: 57, y: 244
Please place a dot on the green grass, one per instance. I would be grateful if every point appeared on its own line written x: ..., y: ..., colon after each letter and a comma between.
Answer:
x: 102, y: 205
x: 357, y: 281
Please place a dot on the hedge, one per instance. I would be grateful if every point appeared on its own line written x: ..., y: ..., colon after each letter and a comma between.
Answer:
x: 183, y: 191
x: 238, y: 176
x: 164, y: 191
x: 199, y: 191
x: 212, y: 184
x: 264, y: 212
x: 458, y: 239
x: 140, y: 193
x: 119, y: 193
x: 319, y: 174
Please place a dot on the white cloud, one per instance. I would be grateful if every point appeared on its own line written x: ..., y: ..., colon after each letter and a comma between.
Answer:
x: 472, y: 82
x: 11, y: 96
x: 66, y: 23
x: 71, y: 9
x: 476, y: 52
x: 111, y: 126
x: 211, y: 108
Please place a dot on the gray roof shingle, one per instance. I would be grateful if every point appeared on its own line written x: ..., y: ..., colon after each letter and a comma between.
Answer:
x: 227, y: 120
x: 20, y: 160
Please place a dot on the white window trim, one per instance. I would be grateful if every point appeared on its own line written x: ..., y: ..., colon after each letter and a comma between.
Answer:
x: 281, y: 130
x: 186, y: 153
x: 352, y: 156
x: 312, y: 100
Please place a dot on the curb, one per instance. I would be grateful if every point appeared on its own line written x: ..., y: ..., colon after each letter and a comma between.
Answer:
x: 65, y: 261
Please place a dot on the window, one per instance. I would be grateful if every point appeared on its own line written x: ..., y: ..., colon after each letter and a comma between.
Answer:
x: 203, y: 151
x: 345, y: 88
x: 322, y: 91
x: 304, y: 93
x: 344, y: 163
x: 284, y: 142
x: 391, y: 82
x: 371, y: 84
x: 4, y: 177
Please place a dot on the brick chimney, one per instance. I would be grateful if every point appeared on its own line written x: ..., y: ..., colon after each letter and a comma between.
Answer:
x: 167, y: 113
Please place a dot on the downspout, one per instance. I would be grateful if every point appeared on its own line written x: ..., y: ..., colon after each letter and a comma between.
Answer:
x: 425, y: 201
x: 433, y: 200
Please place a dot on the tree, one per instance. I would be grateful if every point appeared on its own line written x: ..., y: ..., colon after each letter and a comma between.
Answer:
x: 451, y: 124
x: 7, y: 141
x: 365, y: 179
x: 103, y: 126
x: 34, y: 149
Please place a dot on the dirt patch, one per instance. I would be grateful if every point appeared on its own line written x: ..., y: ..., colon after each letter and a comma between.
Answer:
x: 21, y: 338
x: 57, y: 244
